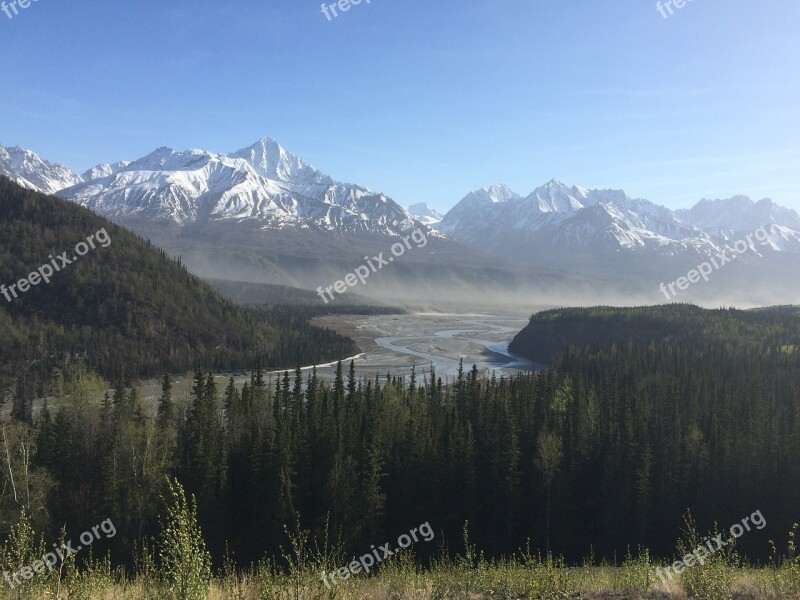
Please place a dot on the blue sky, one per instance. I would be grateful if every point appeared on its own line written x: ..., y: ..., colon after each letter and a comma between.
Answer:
x: 423, y: 100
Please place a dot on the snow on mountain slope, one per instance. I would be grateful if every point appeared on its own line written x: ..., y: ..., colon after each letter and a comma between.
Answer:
x: 475, y: 208
x: 104, y: 170
x: 556, y: 214
x: 267, y: 186
x: 272, y: 162
x: 30, y: 171
x: 734, y: 215
x: 559, y: 218
x: 556, y: 197
x: 261, y: 182
x: 783, y: 239
x: 425, y: 214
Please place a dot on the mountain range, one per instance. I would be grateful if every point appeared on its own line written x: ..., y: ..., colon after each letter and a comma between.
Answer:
x: 263, y: 214
x: 261, y: 182
x: 557, y: 219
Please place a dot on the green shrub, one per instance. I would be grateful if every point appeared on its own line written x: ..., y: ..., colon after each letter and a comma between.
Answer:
x: 636, y: 573
x: 21, y: 550
x: 185, y: 561
x: 713, y: 578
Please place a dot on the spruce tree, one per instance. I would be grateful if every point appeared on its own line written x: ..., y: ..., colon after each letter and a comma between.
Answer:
x: 166, y: 406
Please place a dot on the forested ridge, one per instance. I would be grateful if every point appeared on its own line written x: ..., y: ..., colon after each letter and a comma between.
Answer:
x: 605, y: 451
x: 126, y: 310
x: 550, y: 332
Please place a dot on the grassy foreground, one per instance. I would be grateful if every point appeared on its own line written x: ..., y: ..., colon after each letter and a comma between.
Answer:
x: 521, y: 577
x: 178, y: 566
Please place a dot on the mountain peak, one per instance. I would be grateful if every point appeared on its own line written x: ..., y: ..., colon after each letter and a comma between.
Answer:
x: 555, y: 183
x: 425, y: 214
x: 262, y: 183
x: 557, y: 197
x: 158, y: 154
x: 737, y: 214
x: 104, y: 170
x: 494, y: 194
x: 267, y: 141
x: 265, y: 146
x: 30, y: 171
x: 500, y: 192
x: 476, y: 207
x: 273, y: 161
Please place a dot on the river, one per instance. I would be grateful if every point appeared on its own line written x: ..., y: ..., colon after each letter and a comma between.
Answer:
x: 395, y: 343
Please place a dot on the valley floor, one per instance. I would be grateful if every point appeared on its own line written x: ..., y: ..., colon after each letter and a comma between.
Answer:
x: 394, y: 343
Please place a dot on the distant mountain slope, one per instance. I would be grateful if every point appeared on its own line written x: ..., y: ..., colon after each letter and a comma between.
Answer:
x: 425, y: 214
x: 551, y: 332
x: 124, y: 308
x: 262, y: 182
x: 31, y: 172
x: 462, y: 221
x: 558, y: 220
x: 726, y: 218
x: 635, y: 245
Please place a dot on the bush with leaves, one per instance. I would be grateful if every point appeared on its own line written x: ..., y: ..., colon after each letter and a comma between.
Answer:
x: 185, y: 560
x: 712, y: 578
x: 785, y: 571
x: 21, y: 550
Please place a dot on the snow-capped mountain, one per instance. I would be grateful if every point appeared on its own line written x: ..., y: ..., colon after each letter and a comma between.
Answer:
x: 30, y: 171
x: 262, y: 182
x: 425, y: 214
x: 104, y: 170
x: 725, y: 218
x: 557, y: 219
x: 475, y: 208
x: 264, y: 214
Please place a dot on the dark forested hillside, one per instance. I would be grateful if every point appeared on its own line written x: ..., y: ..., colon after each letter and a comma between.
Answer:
x: 124, y: 308
x: 550, y: 332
